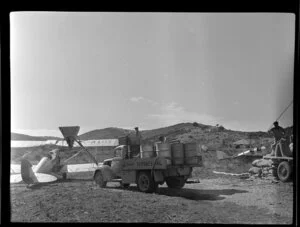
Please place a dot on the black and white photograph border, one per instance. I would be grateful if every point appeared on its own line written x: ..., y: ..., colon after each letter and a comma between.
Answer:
x: 152, y: 117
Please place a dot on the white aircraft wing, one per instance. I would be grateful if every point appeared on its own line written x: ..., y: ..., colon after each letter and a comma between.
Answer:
x: 15, y: 171
x: 82, y: 167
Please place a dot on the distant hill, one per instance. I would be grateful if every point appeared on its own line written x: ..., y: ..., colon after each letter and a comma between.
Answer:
x: 106, y: 133
x: 212, y: 136
x: 215, y: 138
x: 23, y: 137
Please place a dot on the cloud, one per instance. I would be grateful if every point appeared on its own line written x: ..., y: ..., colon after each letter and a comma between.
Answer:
x: 245, y: 126
x: 152, y: 102
x: 136, y: 99
x: 173, y: 113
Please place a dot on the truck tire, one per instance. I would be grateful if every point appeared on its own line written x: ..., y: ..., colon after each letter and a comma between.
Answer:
x: 284, y: 171
x: 175, y: 182
x: 99, y: 179
x: 145, y: 182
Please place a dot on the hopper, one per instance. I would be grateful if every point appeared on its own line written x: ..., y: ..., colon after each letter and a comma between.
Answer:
x: 70, y: 134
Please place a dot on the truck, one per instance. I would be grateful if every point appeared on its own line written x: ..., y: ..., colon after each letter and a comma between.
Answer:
x: 147, y: 173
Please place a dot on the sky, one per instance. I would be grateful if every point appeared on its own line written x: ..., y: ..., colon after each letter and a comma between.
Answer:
x: 108, y: 69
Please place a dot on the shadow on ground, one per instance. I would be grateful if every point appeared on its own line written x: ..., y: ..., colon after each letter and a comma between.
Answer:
x: 191, y: 194
x: 59, y: 181
x: 194, y: 194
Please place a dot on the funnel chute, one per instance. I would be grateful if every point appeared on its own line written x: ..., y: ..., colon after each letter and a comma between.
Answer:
x: 70, y: 134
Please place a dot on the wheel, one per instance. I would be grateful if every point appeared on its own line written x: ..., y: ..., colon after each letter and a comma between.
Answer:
x: 175, y: 182
x: 99, y: 179
x: 64, y: 176
x: 284, y: 171
x: 146, y: 183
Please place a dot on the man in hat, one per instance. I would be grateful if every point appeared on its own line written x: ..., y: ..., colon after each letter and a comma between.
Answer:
x: 278, y: 133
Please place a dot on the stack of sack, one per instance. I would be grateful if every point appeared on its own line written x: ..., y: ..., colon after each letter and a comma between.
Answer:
x: 262, y: 168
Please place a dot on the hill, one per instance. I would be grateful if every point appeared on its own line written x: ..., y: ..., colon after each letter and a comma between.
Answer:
x: 23, y: 137
x: 214, y: 137
x: 106, y: 133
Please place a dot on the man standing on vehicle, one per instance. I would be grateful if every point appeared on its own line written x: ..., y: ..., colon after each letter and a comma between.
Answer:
x: 278, y: 133
x: 135, y: 141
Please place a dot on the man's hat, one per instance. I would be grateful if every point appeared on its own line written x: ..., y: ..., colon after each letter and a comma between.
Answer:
x: 136, y: 128
x: 275, y: 123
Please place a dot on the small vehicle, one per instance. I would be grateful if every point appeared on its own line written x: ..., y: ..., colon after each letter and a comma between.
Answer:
x: 282, y: 161
x: 146, y: 172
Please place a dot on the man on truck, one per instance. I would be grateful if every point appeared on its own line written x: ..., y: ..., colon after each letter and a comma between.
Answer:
x: 278, y: 133
x: 135, y: 140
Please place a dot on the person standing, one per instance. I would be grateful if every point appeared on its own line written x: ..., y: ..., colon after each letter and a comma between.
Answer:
x: 278, y: 133
x: 135, y: 141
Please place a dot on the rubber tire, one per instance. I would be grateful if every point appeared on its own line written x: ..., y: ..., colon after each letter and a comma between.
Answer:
x: 284, y: 166
x: 99, y: 179
x: 145, y: 182
x: 175, y: 182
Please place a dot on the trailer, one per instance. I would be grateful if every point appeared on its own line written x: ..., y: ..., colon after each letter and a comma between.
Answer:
x: 282, y: 161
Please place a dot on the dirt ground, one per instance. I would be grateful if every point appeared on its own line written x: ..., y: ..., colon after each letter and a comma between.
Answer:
x: 218, y: 199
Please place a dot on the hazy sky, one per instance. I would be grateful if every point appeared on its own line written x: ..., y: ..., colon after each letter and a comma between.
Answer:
x: 151, y: 70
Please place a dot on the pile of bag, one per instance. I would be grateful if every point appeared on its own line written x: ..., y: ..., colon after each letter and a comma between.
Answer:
x: 262, y: 168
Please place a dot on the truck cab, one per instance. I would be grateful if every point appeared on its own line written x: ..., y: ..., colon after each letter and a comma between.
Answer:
x: 119, y: 152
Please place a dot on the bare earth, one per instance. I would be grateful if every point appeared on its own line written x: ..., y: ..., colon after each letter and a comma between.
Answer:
x: 217, y: 200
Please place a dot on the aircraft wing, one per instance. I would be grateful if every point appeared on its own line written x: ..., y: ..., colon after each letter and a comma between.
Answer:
x: 81, y: 167
x: 27, y: 174
x: 34, y: 177
x: 16, y: 168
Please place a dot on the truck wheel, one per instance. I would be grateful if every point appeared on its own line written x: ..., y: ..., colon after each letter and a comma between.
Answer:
x: 146, y: 183
x: 175, y: 182
x: 284, y: 171
x: 99, y: 179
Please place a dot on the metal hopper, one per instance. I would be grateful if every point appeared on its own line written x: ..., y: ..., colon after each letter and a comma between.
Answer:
x: 70, y: 133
